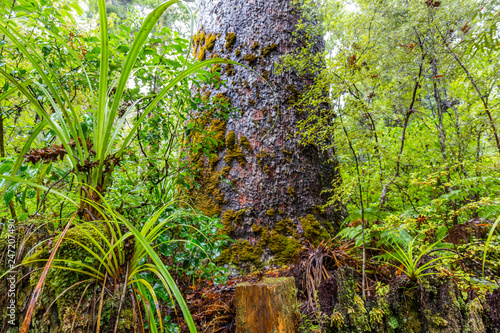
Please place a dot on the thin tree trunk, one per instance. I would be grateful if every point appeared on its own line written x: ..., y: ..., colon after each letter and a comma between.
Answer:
x: 484, y: 100
x: 2, y: 134
x: 409, y: 112
x: 360, y: 189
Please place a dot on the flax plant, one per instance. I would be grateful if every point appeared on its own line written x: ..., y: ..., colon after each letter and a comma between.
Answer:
x: 410, y: 259
x: 91, y: 159
x: 117, y: 267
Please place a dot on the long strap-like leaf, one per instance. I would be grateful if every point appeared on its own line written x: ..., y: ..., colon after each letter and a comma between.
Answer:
x: 13, y: 90
x: 136, y: 47
x: 164, y: 272
x: 103, y: 77
x: 39, y: 285
x: 41, y: 112
x: 107, y: 116
x: 75, y: 57
x: 488, y: 240
x: 35, y: 59
x: 20, y: 158
x: 190, y: 70
x: 45, y: 188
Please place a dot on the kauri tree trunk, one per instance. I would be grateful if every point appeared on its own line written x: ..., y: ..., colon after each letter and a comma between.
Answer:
x: 265, y: 186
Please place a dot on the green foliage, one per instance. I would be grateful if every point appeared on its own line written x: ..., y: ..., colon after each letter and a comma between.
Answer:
x: 402, y: 101
x: 117, y: 114
x: 411, y: 264
x: 91, y: 156
x: 104, y: 250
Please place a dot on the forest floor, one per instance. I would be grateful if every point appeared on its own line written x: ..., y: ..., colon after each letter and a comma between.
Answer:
x: 330, y: 298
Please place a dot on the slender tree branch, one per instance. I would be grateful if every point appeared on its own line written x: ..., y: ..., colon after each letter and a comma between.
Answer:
x: 363, y: 279
x: 48, y: 190
x: 483, y: 98
x: 409, y: 112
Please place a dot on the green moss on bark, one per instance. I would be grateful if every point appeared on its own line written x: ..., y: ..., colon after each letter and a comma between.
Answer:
x: 245, y: 143
x: 242, y: 252
x: 256, y: 228
x: 230, y: 40
x: 204, y: 143
x: 313, y: 230
x: 284, y: 248
x: 265, y: 51
x: 210, y: 42
x: 250, y: 58
x: 230, y: 139
x: 286, y: 227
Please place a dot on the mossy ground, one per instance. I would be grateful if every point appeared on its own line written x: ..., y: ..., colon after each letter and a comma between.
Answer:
x: 433, y: 305
x: 69, y: 287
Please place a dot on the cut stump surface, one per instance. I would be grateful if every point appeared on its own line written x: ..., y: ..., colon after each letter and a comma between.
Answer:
x: 269, y: 306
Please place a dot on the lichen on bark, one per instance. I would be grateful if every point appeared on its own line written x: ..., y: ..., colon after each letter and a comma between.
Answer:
x: 434, y: 305
x: 274, y: 173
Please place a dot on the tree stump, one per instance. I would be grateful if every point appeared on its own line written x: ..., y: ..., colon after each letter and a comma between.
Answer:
x: 269, y: 306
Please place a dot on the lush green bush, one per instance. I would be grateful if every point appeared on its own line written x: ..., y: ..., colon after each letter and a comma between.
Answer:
x: 405, y: 102
x: 106, y: 115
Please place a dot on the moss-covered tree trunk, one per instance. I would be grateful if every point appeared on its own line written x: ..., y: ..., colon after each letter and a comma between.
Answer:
x: 434, y: 304
x: 265, y: 185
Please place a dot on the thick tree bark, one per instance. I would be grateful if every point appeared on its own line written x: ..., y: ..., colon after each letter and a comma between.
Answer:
x: 271, y: 200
